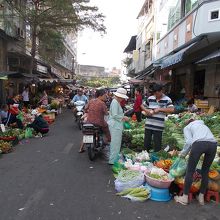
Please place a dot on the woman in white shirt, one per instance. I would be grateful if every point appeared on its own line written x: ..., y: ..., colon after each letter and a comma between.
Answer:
x: 25, y: 96
x: 199, y: 140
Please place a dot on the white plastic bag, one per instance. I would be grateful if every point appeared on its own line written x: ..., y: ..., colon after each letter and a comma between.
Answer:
x: 138, y: 181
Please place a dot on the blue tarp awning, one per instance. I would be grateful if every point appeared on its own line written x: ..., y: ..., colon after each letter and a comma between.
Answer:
x: 175, y: 58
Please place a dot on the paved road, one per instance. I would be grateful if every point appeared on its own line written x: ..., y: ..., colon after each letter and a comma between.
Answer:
x: 47, y: 179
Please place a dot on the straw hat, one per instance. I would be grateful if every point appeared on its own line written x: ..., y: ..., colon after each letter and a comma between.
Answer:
x: 121, y: 93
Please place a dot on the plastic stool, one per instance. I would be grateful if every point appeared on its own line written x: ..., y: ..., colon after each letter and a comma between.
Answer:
x: 190, y: 195
x: 210, y: 194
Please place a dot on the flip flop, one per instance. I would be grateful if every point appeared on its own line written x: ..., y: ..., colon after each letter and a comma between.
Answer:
x: 81, y: 151
x: 178, y: 200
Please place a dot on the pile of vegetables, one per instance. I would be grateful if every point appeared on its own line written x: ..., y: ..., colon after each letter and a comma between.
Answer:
x: 128, y: 175
x: 164, y: 164
x: 5, y: 147
x: 195, y: 184
x: 140, y: 194
x: 134, y: 137
x: 173, y: 132
x: 158, y: 174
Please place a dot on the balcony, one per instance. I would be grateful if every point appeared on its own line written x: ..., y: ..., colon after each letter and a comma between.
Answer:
x: 201, y: 20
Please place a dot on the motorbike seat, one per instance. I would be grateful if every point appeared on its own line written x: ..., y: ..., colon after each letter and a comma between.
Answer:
x: 89, y: 126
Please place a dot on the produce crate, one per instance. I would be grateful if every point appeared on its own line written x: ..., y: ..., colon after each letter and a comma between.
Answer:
x: 202, y: 104
x: 4, y: 138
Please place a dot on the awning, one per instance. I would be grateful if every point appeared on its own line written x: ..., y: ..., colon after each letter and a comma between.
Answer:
x: 48, y: 80
x: 132, y: 45
x: 71, y: 87
x: 175, y: 58
x: 7, y: 73
x: 66, y: 80
x: 146, y: 72
x: 135, y: 81
x: 211, y: 56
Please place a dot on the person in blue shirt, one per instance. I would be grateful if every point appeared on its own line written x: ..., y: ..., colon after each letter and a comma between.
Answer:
x: 80, y: 97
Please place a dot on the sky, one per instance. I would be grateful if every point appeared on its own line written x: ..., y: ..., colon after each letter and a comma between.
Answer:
x: 121, y: 24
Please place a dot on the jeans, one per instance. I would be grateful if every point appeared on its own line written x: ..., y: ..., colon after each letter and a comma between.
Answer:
x: 157, y: 140
x: 199, y: 148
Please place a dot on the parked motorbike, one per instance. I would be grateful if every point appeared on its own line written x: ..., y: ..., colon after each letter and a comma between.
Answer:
x: 79, y: 105
x: 93, y: 140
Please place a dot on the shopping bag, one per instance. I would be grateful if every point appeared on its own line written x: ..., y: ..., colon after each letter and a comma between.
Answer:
x: 127, y: 125
x: 28, y: 133
x: 20, y: 116
x: 178, y: 168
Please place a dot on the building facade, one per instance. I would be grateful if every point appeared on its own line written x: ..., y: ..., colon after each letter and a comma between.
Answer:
x: 91, y: 71
x: 189, y: 51
x: 184, y: 38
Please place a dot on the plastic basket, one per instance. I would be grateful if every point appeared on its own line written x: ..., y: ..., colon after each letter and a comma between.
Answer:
x: 4, y: 138
x: 162, y: 184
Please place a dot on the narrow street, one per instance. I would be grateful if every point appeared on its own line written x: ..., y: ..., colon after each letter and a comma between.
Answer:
x: 47, y: 179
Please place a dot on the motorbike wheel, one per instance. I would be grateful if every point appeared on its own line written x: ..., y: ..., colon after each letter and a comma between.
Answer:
x: 80, y: 124
x: 91, y: 152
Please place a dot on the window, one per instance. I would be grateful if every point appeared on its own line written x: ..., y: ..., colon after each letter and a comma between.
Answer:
x: 189, y: 5
x: 214, y: 15
x: 148, y: 51
x: 174, y: 14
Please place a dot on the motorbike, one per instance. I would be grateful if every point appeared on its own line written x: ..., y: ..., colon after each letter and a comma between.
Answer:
x: 79, y: 112
x: 93, y: 140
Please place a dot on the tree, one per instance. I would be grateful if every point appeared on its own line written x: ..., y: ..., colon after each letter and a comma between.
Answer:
x: 58, y: 16
x: 51, y: 45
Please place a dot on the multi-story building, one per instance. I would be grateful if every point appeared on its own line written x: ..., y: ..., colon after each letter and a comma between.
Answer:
x: 66, y: 65
x: 183, y: 44
x: 13, y: 58
x: 91, y: 71
x: 139, y: 49
x: 188, y: 52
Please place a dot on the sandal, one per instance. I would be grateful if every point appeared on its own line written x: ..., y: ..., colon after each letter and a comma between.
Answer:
x: 180, y: 200
x: 81, y: 151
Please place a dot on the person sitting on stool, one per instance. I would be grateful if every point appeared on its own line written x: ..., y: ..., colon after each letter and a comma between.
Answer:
x: 39, y: 124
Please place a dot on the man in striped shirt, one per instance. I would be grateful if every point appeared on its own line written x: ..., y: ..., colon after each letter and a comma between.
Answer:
x: 158, y: 105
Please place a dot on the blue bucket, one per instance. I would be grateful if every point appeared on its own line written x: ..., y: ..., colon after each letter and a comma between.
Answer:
x: 159, y: 195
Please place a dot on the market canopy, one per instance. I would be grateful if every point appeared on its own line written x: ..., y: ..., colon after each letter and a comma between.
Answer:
x: 211, y: 56
x: 175, y: 58
x: 132, y: 45
x: 7, y: 73
x: 135, y: 81
x: 48, y: 80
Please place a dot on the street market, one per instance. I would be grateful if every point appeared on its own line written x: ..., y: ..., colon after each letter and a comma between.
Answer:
x: 109, y: 110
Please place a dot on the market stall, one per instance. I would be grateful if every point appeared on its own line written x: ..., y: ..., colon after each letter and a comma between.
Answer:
x: 159, y: 176
x: 11, y: 136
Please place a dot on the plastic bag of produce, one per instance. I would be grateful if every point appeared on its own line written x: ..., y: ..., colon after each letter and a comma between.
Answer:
x: 127, y: 125
x: 178, y: 168
x: 20, y: 116
x: 128, y: 179
x: 28, y: 133
x: 117, y: 167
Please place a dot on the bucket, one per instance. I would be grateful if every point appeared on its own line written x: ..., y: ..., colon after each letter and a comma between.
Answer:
x: 159, y: 195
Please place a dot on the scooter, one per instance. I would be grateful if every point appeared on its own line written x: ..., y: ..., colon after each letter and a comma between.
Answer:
x: 93, y: 140
x: 79, y: 112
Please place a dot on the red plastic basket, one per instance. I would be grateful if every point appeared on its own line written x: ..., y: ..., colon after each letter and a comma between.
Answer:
x: 12, y: 138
